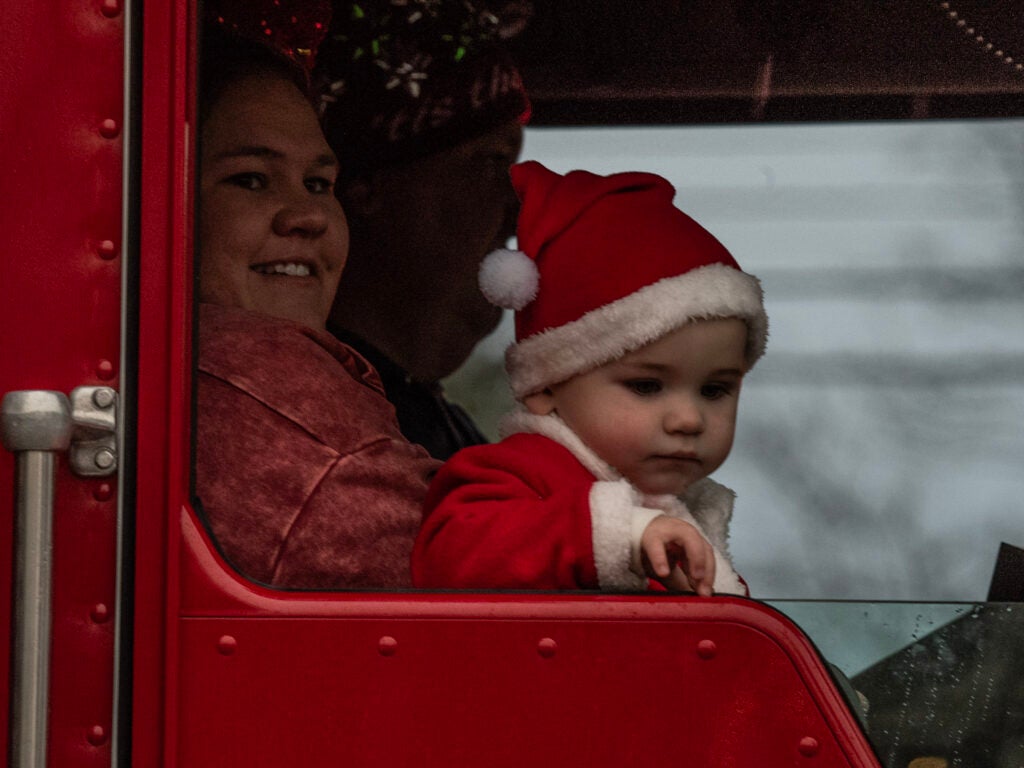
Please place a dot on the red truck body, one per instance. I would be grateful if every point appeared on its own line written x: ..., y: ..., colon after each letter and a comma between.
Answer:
x: 160, y: 655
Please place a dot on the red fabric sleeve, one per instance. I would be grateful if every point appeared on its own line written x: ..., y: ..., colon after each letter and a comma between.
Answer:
x: 515, y: 515
x: 302, y: 474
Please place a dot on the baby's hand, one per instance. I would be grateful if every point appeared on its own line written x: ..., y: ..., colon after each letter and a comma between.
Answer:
x: 668, y: 541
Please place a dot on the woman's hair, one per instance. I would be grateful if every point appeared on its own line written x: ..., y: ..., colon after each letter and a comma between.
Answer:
x: 226, y: 58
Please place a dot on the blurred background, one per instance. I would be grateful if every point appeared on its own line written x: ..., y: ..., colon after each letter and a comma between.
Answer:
x: 879, y: 452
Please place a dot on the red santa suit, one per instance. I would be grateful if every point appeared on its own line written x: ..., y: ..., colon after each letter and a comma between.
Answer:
x: 540, y: 510
x: 608, y: 265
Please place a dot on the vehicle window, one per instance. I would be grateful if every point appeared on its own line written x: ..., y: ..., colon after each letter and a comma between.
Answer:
x: 879, y: 443
x: 941, y: 681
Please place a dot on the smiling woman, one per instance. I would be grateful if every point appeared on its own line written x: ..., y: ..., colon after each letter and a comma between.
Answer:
x: 273, y: 237
x: 301, y: 472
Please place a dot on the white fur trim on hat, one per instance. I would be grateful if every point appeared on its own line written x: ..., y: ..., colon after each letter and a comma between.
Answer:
x: 608, y: 332
x: 509, y: 279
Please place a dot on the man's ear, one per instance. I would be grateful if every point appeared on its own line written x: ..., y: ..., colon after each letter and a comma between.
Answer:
x: 360, y: 197
x: 540, y: 403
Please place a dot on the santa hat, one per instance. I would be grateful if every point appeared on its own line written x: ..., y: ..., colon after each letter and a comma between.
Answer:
x: 608, y: 265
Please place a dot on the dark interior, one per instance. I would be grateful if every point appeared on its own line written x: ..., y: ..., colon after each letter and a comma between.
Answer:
x: 594, y: 62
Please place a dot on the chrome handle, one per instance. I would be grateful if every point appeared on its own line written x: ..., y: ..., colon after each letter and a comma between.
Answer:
x: 35, y: 425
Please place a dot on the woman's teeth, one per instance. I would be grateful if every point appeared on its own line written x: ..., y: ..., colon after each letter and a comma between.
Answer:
x: 289, y: 268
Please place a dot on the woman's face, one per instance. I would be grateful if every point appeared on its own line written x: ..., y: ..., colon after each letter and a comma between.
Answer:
x: 273, y: 237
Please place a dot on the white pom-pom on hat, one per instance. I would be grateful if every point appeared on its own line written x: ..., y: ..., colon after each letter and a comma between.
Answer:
x: 509, y: 279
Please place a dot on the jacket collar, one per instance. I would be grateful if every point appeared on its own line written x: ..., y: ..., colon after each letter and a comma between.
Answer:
x: 709, y: 502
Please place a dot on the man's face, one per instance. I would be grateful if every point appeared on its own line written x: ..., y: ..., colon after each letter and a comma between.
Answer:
x: 443, y: 214
x: 664, y: 415
x: 272, y: 236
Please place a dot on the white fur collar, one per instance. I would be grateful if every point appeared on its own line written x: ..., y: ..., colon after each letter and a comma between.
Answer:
x: 552, y: 427
x: 709, y: 502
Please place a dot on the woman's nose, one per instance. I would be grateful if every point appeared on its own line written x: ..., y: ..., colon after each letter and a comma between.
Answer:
x: 301, y: 214
x: 685, y: 416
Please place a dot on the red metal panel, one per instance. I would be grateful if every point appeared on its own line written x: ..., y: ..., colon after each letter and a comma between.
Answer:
x: 164, y: 365
x: 615, y: 690
x: 61, y: 105
x: 501, y: 680
x: 228, y: 673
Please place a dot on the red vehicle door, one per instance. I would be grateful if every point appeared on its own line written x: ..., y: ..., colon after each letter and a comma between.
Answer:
x: 62, y: 121
x: 134, y: 643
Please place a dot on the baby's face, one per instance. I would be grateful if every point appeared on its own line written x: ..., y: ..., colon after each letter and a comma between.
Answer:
x: 663, y: 415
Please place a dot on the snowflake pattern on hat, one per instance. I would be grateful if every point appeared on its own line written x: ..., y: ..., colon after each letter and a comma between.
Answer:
x: 392, y: 34
x: 401, y: 78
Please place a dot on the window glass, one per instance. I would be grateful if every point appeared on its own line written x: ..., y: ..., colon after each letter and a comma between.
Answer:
x: 942, y: 681
x: 879, y: 441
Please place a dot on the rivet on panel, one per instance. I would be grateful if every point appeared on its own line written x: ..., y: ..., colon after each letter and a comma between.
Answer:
x: 109, y: 128
x: 808, y: 746
x: 100, y: 614
x: 103, y: 492
x: 547, y: 647
x: 107, y: 250
x: 110, y: 8
x: 103, y: 397
x: 104, y: 458
x: 707, y: 649
x: 387, y: 646
x: 226, y: 645
x: 105, y: 370
x: 97, y: 735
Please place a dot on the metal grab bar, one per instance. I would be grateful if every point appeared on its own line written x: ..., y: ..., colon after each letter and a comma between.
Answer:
x: 34, y: 425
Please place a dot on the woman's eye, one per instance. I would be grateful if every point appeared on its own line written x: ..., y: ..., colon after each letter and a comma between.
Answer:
x: 251, y: 181
x: 319, y: 185
x: 644, y: 386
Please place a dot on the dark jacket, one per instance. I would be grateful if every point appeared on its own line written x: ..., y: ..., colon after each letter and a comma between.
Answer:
x: 424, y: 415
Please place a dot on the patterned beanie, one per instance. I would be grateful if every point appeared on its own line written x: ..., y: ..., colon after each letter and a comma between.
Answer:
x: 401, y: 79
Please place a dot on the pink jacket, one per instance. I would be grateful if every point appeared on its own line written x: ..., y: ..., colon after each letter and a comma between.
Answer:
x: 301, y: 473
x: 540, y: 510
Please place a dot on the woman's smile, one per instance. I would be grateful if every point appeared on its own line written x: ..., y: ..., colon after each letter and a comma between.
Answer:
x: 285, y: 268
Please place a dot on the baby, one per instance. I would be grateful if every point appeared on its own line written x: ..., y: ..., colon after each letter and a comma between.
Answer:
x: 634, y: 330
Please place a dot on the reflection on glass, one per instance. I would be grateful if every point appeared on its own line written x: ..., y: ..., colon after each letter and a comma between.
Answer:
x: 943, y: 681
